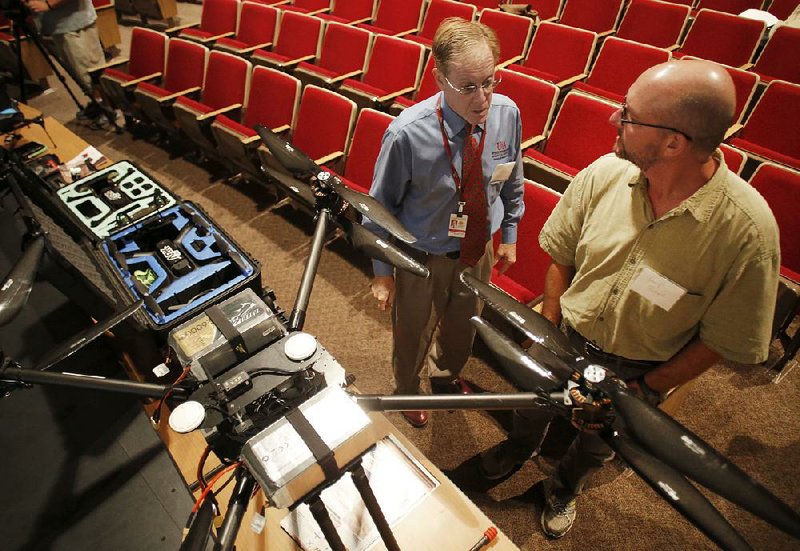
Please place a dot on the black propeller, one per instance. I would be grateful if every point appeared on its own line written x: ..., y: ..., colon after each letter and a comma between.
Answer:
x: 686, y: 452
x: 380, y: 249
x: 678, y: 492
x: 17, y: 285
x: 534, y: 325
x: 520, y: 368
x: 662, y: 436
x: 303, y: 167
x: 85, y: 337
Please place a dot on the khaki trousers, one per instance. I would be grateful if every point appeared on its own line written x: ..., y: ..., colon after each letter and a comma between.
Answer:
x: 82, y: 50
x: 430, y: 319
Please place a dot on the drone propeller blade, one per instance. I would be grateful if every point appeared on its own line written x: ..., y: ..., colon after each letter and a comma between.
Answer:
x: 533, y: 324
x: 293, y: 160
x: 686, y: 452
x: 369, y: 207
x: 17, y: 286
x: 679, y: 493
x: 200, y: 529
x: 85, y: 337
x: 375, y: 247
x: 523, y: 371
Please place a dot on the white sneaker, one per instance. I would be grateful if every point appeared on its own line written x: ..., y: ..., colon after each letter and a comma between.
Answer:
x: 559, y: 513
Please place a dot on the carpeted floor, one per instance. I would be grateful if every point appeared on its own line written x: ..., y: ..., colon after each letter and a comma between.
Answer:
x: 738, y: 409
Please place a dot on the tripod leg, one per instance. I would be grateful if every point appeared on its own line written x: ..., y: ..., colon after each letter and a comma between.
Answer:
x: 236, y: 508
x: 362, y: 484
x: 324, y: 520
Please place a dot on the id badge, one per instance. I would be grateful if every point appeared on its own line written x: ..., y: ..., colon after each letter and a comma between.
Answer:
x: 458, y: 225
x: 656, y: 288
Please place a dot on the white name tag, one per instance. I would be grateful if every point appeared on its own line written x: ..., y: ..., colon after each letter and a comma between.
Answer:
x: 502, y: 172
x: 458, y: 225
x: 656, y: 288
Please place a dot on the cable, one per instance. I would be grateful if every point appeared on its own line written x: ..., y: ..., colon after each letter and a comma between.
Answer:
x: 214, y: 480
x: 201, y: 467
x: 156, y: 417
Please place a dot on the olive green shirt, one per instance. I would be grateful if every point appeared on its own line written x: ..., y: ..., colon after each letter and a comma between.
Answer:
x: 720, y: 245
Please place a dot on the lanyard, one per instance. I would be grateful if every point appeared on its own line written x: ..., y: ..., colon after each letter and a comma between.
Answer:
x: 446, y: 142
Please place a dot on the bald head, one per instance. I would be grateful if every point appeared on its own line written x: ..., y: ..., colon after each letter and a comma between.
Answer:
x: 696, y: 96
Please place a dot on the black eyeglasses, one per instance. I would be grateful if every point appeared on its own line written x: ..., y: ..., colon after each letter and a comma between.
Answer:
x: 625, y: 120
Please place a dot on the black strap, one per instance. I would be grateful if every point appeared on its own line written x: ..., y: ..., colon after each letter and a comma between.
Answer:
x: 322, y: 453
x: 231, y: 334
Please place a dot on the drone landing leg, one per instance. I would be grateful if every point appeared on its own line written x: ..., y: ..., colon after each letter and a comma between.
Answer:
x: 245, y: 483
x: 322, y: 517
x: 362, y: 485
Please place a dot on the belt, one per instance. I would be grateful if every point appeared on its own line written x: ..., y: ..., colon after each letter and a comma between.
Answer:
x: 420, y: 255
x: 593, y: 351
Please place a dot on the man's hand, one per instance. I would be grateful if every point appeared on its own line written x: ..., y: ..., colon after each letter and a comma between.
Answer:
x: 37, y: 6
x: 505, y: 256
x: 383, y: 290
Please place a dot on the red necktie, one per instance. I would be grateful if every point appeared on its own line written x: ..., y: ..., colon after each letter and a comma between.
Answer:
x: 476, y: 208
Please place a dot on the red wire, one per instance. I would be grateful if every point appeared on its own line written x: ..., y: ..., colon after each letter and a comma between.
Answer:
x: 211, y: 485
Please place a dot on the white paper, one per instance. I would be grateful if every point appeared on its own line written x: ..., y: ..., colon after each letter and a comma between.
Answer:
x: 656, y: 288
x: 502, y: 172
x: 399, y: 483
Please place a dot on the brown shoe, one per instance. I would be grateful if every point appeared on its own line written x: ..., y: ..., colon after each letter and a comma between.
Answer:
x: 417, y: 418
x: 456, y: 386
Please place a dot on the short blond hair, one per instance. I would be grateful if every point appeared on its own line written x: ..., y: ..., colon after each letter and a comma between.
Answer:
x: 457, y: 37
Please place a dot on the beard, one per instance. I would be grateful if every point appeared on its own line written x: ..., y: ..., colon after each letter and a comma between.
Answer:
x: 644, y: 159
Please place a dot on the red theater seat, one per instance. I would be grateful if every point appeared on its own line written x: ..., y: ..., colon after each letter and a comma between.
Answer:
x: 558, y: 54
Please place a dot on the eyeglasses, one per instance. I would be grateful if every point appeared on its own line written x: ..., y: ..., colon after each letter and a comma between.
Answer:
x: 625, y: 120
x: 489, y: 85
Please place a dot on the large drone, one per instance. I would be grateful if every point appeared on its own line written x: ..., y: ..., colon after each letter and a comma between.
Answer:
x: 658, y: 448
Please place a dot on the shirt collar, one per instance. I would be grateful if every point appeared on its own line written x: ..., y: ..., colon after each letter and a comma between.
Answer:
x: 702, y: 203
x: 453, y: 123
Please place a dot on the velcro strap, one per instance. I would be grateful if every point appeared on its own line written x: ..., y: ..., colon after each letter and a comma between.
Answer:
x: 231, y: 334
x: 322, y: 453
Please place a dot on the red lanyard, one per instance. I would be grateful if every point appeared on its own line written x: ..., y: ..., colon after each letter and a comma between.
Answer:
x: 446, y: 142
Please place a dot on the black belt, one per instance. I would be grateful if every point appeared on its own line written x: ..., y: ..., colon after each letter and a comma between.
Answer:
x: 421, y: 256
x: 593, y: 351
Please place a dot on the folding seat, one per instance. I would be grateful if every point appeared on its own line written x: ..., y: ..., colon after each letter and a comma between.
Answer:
x: 689, y: 3
x: 378, y: 87
x: 558, y: 54
x: 536, y: 100
x: 224, y: 91
x: 311, y: 7
x: 217, y: 20
x: 161, y: 10
x: 782, y: 9
x: 255, y: 30
x: 730, y: 6
x: 272, y: 102
x: 548, y: 10
x: 439, y: 10
x: 723, y: 38
x: 183, y: 76
x: 343, y: 55
x: 322, y: 131
x: 299, y: 37
x: 780, y: 58
x: 427, y: 87
x: 735, y: 159
x: 780, y: 186
x: 484, y: 4
x: 770, y: 132
x: 781, y: 189
x: 653, y: 22
x: 618, y: 65
x: 364, y: 148
x: 513, y: 32
x: 350, y: 12
x: 119, y: 79
x: 396, y: 17
x: 524, y: 280
x: 580, y: 134
x: 600, y: 16
x: 106, y: 23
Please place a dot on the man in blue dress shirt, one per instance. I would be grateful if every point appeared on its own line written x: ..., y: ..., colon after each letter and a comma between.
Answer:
x: 418, y: 178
